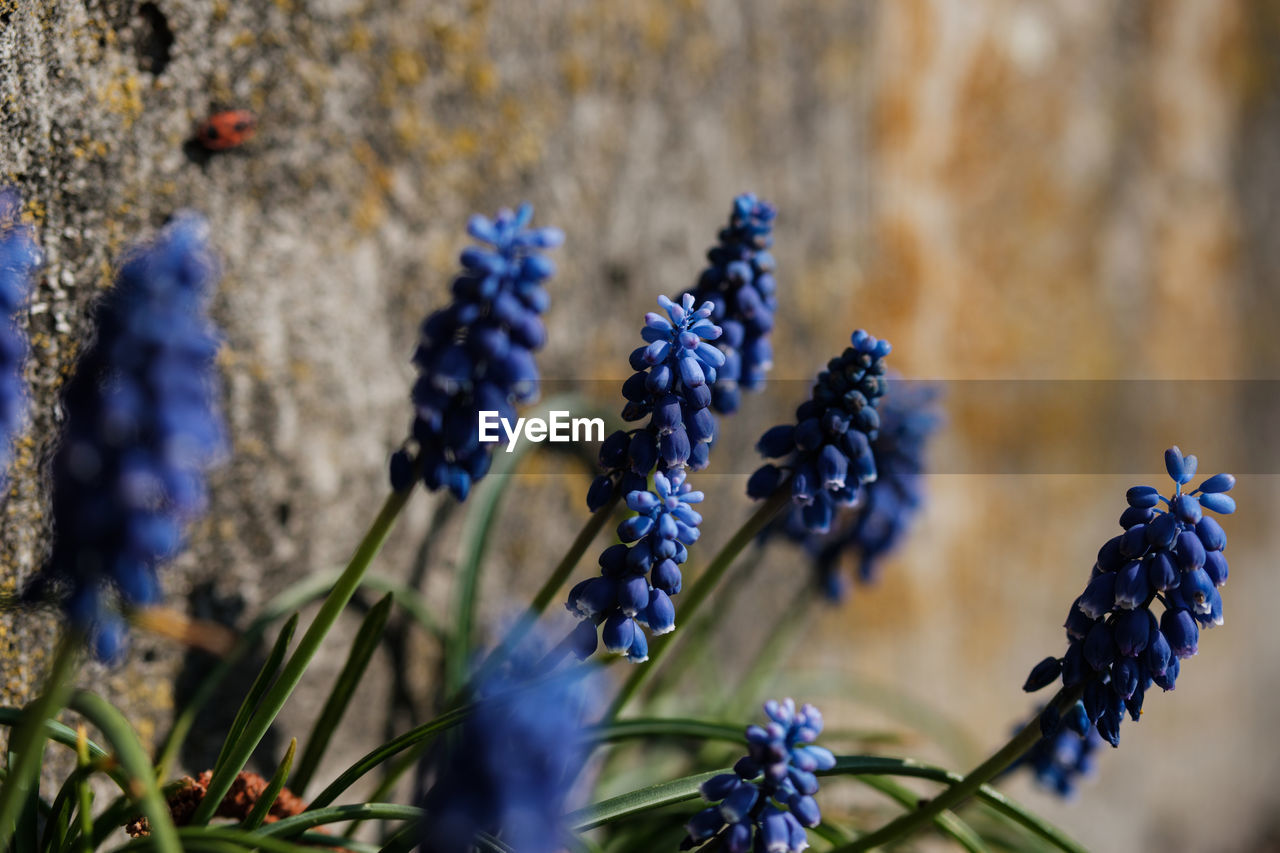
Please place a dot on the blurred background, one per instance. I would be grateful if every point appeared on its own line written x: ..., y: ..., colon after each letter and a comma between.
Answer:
x: 1061, y: 212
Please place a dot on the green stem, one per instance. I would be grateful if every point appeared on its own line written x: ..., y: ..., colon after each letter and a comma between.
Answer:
x: 947, y: 823
x: 698, y: 593
x: 899, y: 829
x: 133, y: 758
x: 557, y: 579
x: 293, y: 671
x: 697, y: 635
x: 28, y: 739
x: 779, y: 643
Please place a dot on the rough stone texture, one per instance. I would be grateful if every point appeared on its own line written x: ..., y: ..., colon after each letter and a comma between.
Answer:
x: 1004, y: 189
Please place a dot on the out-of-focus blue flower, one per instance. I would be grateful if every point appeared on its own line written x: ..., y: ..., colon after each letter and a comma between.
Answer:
x: 739, y: 284
x: 19, y: 258
x: 1116, y: 646
x: 1059, y: 760
x: 675, y: 372
x: 637, y: 581
x: 142, y: 426
x: 829, y: 447
x: 510, y: 771
x: 767, y: 801
x: 477, y: 354
x: 884, y: 513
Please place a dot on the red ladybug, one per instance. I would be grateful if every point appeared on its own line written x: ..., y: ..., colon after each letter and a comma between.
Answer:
x: 227, y: 129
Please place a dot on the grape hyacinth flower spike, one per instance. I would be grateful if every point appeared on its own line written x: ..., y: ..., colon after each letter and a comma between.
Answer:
x: 19, y: 258
x: 637, y: 580
x: 511, y: 770
x: 878, y: 523
x: 1117, y: 648
x: 829, y: 447
x: 1059, y: 760
x: 767, y: 801
x: 142, y: 426
x: 674, y: 374
x: 477, y: 354
x: 739, y: 284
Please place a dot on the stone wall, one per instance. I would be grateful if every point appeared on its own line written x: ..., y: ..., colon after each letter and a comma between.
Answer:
x: 1006, y: 190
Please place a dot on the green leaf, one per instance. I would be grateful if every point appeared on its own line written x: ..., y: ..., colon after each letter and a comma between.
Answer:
x: 698, y: 592
x: 313, y: 817
x: 947, y: 822
x: 413, y: 737
x: 116, y: 729
x: 266, y: 675
x: 268, y: 797
x: 371, y: 760
x: 405, y: 839
x: 26, y: 743
x: 220, y: 838
x: 482, y: 514
x: 58, y: 825
x: 649, y: 727
x: 642, y: 800
x: 60, y: 733
x: 335, y: 602
x: 487, y: 843
x: 362, y: 649
x: 84, y: 793
x: 681, y: 790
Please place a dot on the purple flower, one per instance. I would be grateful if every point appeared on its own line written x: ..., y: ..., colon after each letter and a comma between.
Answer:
x: 828, y: 449
x: 477, y: 354
x: 637, y: 580
x: 1174, y: 555
x: 768, y: 799
x: 19, y: 258
x: 142, y: 426
x: 886, y: 509
x: 1060, y: 759
x: 510, y: 770
x: 674, y: 373
x: 739, y: 284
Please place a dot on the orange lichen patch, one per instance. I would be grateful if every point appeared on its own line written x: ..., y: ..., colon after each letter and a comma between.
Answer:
x: 893, y: 121
x: 920, y: 36
x: 899, y: 267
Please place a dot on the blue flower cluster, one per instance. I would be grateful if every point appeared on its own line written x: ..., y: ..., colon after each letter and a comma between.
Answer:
x: 510, y: 771
x: 636, y: 581
x: 19, y: 258
x: 1117, y: 647
x: 830, y: 445
x: 740, y: 286
x: 674, y: 374
x: 142, y: 426
x: 767, y: 801
x: 1061, y: 759
x: 879, y: 521
x: 477, y: 354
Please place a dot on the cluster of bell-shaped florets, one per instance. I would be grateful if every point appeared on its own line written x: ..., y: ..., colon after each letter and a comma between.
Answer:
x: 767, y: 801
x: 142, y: 425
x: 511, y: 770
x: 19, y: 258
x: 740, y: 286
x: 884, y: 513
x: 477, y: 354
x: 830, y: 445
x: 674, y: 374
x: 637, y: 580
x: 1175, y: 555
x: 1059, y: 760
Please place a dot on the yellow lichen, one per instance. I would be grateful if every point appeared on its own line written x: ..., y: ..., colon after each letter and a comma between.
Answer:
x: 123, y: 97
